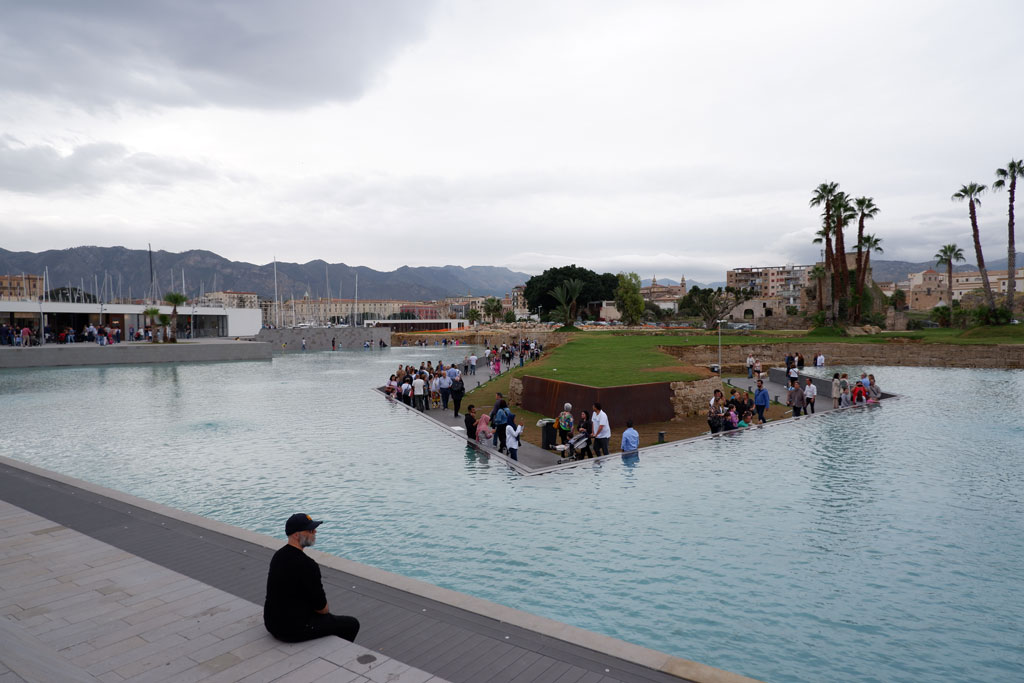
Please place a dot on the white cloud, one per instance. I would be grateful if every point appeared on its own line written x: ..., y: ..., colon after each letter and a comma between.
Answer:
x: 649, y: 136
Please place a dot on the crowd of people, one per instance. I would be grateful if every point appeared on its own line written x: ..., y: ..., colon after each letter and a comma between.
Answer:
x: 744, y: 410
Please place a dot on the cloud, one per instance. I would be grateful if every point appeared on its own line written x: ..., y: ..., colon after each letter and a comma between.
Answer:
x: 239, y: 53
x: 42, y: 169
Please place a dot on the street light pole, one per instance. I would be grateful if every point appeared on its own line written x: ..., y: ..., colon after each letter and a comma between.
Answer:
x: 720, y: 347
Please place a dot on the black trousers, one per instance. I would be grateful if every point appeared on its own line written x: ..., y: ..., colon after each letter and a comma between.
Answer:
x: 323, y: 625
x: 810, y: 406
x: 457, y: 400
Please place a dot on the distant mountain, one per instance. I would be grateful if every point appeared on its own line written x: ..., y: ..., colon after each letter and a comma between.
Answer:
x: 127, y: 271
x: 894, y: 271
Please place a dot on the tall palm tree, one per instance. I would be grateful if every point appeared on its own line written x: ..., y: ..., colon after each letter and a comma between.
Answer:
x: 1008, y: 176
x: 866, y: 209
x: 818, y: 274
x: 972, y: 193
x: 492, y: 308
x: 865, y: 245
x: 152, y: 312
x: 823, y: 196
x: 843, y: 212
x: 947, y: 256
x: 175, y: 299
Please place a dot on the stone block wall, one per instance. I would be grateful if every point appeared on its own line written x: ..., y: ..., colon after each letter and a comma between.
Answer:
x: 906, y: 353
x: 319, y: 338
x: 690, y: 398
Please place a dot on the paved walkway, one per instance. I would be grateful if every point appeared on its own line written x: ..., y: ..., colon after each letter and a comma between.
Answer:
x: 98, y: 586
x: 77, y: 609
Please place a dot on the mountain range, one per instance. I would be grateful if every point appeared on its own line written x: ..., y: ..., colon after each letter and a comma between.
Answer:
x: 126, y: 272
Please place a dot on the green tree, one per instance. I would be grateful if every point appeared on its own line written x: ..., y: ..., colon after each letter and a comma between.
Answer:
x: 175, y: 299
x: 866, y: 209
x: 567, y: 294
x: 151, y: 314
x: 712, y: 304
x: 628, y: 300
x: 824, y: 196
x: 865, y: 245
x: 947, y: 256
x: 1007, y: 177
x: 492, y: 308
x: 539, y: 298
x: 972, y: 193
x: 898, y: 300
x: 843, y: 212
x: 509, y: 317
x: 473, y: 316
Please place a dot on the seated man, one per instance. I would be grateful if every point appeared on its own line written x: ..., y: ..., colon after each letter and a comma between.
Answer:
x: 296, y: 606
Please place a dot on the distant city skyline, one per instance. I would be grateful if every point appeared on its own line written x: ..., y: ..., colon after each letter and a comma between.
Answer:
x: 649, y: 137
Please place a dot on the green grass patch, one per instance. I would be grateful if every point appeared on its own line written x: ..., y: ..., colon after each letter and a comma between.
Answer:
x: 601, y: 360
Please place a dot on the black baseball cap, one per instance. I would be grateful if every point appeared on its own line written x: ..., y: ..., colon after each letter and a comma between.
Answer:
x: 300, y: 522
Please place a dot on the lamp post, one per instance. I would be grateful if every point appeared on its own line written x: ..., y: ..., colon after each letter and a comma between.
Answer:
x: 720, y: 346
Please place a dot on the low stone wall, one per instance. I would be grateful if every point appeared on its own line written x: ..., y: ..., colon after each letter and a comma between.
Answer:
x: 486, y: 337
x: 319, y: 338
x: 1009, y: 356
x: 55, y: 355
x: 690, y: 398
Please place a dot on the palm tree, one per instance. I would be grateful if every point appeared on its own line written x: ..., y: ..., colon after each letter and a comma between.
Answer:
x: 947, y: 256
x: 818, y: 274
x: 174, y: 299
x: 473, y: 316
x: 1004, y: 176
x: 492, y: 308
x: 868, y: 244
x: 823, y: 196
x: 843, y: 212
x: 566, y: 295
x: 866, y: 209
x: 151, y: 313
x: 165, y: 320
x: 972, y: 193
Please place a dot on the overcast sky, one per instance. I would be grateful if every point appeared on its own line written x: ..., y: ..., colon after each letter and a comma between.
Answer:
x: 661, y: 137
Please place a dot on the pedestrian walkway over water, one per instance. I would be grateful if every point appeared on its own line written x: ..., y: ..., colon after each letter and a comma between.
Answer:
x: 98, y: 586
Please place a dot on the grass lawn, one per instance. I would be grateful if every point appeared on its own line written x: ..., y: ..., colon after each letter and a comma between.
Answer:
x: 603, y: 360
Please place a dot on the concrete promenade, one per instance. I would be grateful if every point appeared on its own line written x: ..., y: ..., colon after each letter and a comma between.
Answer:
x: 97, y: 585
x: 132, y: 353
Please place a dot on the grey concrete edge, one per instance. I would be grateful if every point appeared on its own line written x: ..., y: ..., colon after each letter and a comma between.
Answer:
x: 636, y: 654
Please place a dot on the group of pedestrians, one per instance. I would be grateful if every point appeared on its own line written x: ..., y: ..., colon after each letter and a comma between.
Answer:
x: 591, y: 432
x: 846, y: 393
x: 428, y: 387
x: 498, y: 426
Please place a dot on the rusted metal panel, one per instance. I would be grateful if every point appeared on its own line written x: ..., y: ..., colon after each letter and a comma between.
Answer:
x: 638, y: 402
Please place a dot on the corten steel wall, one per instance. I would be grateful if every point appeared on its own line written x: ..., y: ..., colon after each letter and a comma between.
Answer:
x: 638, y: 402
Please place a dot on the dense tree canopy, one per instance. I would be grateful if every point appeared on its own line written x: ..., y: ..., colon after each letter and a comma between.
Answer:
x: 712, y: 304
x: 628, y: 300
x: 595, y: 287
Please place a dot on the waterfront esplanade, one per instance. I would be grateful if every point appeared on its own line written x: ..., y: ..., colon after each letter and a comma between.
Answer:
x: 201, y: 321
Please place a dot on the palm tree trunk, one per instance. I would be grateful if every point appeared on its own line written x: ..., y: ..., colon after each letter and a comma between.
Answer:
x: 981, y: 259
x: 821, y: 294
x: 174, y: 325
x: 949, y: 289
x: 860, y: 267
x: 1011, y: 253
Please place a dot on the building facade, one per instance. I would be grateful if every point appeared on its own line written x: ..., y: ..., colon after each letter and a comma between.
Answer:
x: 664, y: 296
x: 785, y: 282
x: 22, y: 287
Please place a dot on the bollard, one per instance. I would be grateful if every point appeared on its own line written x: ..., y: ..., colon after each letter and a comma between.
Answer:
x: 777, y: 400
x: 661, y: 437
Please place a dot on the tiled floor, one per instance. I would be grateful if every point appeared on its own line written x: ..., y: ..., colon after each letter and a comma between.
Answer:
x: 76, y: 609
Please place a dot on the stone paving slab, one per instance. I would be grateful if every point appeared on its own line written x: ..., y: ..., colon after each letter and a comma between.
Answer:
x: 65, y: 623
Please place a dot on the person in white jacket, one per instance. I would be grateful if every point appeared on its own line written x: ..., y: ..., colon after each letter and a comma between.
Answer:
x: 512, y: 432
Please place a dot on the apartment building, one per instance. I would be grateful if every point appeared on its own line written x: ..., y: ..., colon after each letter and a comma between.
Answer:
x: 21, y: 287
x: 230, y: 299
x: 770, y: 282
x: 970, y: 281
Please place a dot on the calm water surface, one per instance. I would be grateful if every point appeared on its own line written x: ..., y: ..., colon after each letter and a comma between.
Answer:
x: 872, y: 545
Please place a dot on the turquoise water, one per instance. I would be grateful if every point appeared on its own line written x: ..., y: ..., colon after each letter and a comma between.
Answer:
x: 871, y: 545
